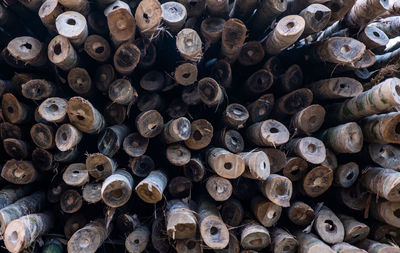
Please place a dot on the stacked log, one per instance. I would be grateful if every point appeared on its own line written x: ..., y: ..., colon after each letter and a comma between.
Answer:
x: 200, y: 125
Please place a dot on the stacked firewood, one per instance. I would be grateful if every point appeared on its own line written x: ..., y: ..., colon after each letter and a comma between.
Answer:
x: 200, y: 125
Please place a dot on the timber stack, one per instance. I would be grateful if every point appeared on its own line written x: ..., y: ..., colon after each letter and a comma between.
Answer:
x: 195, y: 126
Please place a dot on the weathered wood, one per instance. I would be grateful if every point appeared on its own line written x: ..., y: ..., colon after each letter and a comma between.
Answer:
x: 266, y: 212
x: 339, y: 9
x: 291, y: 80
x: 210, y: 92
x: 76, y: 174
x: 16, y: 148
x: 150, y: 101
x: 345, y: 247
x: 355, y: 231
x: 217, y: 8
x: 286, y: 32
x: 137, y: 241
x: 122, y: 25
x: 91, y: 192
x: 251, y: 53
x: 186, y: 74
x: 385, y: 155
x: 117, y: 188
x: 269, y: 133
x: 176, y: 130
x: 317, y: 181
x: 38, y: 89
x: 328, y: 226
x: 191, y: 245
x: 89, y: 238
x: 67, y: 137
x: 52, y: 245
x: 73, y: 224
x: 384, y: 233
x: 382, y: 128
x: 189, y: 45
x: 84, y: 116
x: 100, y: 166
x: 9, y: 195
x: 383, y: 182
x: 152, y: 81
x: 8, y: 130
x: 309, y: 148
x: 259, y: 82
x: 148, y: 52
x: 181, y: 222
x: 364, y: 11
x: 177, y: 154
x: 142, y: 165
x: 19, y: 172
x: 71, y: 201
x: 79, y: 81
x: 377, y: 247
x: 110, y: 140
x: 346, y: 138
x: 373, y: 37
x: 266, y: 13
x: 316, y: 17
x: 232, y: 212
x: 149, y: 124
x: 81, y: 6
x: 295, y: 168
x: 62, y: 53
x: 219, y: 188
x: 174, y: 15
x: 388, y: 25
x: 211, y: 29
x: 72, y: 25
x: 309, y: 120
x: 283, y: 241
x: 278, y: 189
x: 104, y: 76
x: 24, y: 231
x: 235, y: 115
x: 354, y: 197
x: 300, y: 213
x: 43, y: 160
x: 224, y: 163
x: 195, y: 169
x: 378, y: 99
x: 294, y: 101
x: 201, y: 133
x: 151, y: 188
x: 212, y: 229
x: 27, y: 50
x: 340, y: 50
x: 222, y: 73
x: 231, y: 140
x: 254, y: 236
x: 148, y: 17
x: 232, y: 38
x: 257, y: 165
x: 126, y: 58
x: 30, y: 204
x: 14, y: 111
x: 122, y: 92
x: 180, y: 187
x: 346, y: 174
x: 336, y: 88
x: 260, y: 109
x: 309, y: 243
x: 53, y: 110
x: 277, y: 159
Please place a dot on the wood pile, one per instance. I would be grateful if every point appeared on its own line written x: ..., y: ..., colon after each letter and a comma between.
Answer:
x: 200, y: 126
